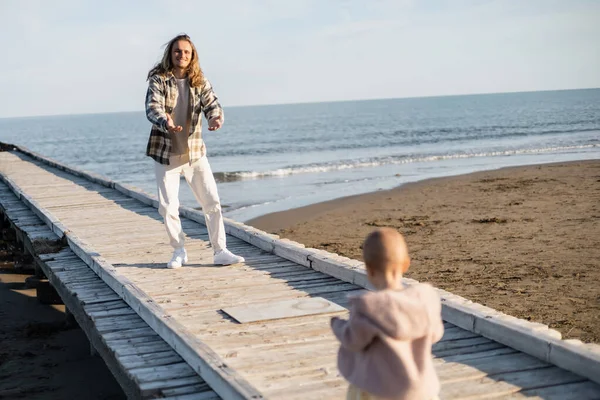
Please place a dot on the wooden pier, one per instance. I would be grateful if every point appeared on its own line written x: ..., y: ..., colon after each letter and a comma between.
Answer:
x: 171, y: 333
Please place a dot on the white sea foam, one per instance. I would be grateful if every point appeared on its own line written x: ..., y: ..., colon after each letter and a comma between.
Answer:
x: 381, y: 161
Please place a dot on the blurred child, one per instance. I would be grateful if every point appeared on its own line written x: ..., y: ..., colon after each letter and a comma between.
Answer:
x: 385, y: 350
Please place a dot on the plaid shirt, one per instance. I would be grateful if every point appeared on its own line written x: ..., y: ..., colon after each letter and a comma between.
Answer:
x: 161, y: 99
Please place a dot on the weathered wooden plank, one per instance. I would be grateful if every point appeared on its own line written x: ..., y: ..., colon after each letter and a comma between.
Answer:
x: 457, y: 333
x: 572, y: 391
x: 97, y: 287
x: 265, y: 337
x: 113, y: 305
x: 172, y: 371
x: 72, y: 282
x: 99, y: 299
x: 445, y: 354
x: 149, y: 359
x: 452, y: 371
x: 273, y: 348
x: 229, y: 298
x: 202, y: 396
x: 466, y: 357
x: 107, y: 218
x: 247, y: 287
x: 151, y: 387
x: 72, y: 269
x: 102, y: 223
x: 111, y: 313
x: 269, y: 368
x: 105, y: 326
x: 215, y: 322
x: 152, y: 348
x: 63, y: 254
x: 105, y: 293
x: 180, y: 391
x: 66, y: 263
x: 71, y: 205
x: 213, y: 278
x: 213, y: 275
x: 292, y: 387
x: 129, y: 333
x: 440, y: 347
x: 508, y: 383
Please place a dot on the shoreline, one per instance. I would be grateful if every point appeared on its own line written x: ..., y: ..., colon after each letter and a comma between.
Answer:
x: 456, y: 166
x: 278, y: 220
x: 510, y: 238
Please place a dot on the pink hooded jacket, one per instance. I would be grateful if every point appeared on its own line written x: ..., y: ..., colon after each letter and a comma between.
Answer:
x: 386, y: 344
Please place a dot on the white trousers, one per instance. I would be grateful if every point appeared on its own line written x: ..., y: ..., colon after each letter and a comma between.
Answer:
x: 202, y: 182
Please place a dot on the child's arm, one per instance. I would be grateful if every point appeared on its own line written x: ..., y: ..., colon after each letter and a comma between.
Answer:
x: 437, y: 324
x: 354, y: 334
x: 438, y: 331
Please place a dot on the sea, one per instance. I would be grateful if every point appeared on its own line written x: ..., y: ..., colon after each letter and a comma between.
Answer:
x: 278, y: 157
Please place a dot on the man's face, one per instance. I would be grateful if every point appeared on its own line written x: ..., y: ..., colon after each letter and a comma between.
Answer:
x: 181, y: 54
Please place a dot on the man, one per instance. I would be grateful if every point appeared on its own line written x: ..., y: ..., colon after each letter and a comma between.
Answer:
x: 177, y: 94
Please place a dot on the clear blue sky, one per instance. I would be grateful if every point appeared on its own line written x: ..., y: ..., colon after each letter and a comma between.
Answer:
x: 76, y: 56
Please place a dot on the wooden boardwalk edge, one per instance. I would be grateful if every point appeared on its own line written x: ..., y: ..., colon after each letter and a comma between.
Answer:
x: 222, y: 379
x: 528, y: 337
x: 131, y: 368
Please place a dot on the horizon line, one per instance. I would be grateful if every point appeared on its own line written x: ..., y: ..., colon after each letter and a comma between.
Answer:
x: 316, y: 102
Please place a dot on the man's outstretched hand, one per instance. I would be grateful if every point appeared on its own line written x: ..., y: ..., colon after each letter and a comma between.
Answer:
x: 171, y: 126
x: 215, y: 123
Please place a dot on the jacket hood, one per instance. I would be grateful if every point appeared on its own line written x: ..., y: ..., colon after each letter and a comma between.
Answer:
x: 394, y: 312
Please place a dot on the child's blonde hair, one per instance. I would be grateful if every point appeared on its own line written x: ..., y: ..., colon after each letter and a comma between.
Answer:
x: 385, y: 249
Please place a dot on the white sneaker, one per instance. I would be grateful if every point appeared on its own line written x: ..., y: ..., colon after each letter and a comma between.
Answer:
x: 225, y: 257
x: 179, y: 258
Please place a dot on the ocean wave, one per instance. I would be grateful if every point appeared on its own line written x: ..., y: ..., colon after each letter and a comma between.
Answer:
x: 234, y: 176
x: 246, y: 206
x: 391, y: 138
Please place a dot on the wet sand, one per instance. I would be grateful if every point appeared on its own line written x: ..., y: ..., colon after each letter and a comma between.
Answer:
x: 41, y: 356
x: 522, y: 240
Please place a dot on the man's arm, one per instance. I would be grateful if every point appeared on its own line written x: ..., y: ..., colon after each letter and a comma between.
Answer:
x: 155, y: 104
x: 211, y: 107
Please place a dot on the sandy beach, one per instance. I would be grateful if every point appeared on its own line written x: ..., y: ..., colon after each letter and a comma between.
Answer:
x: 523, y: 240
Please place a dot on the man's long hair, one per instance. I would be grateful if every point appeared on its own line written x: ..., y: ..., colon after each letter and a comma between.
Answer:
x: 194, y: 72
